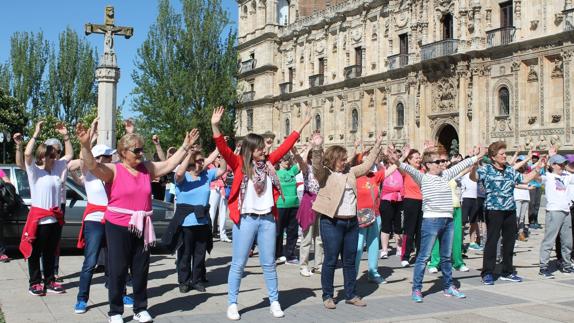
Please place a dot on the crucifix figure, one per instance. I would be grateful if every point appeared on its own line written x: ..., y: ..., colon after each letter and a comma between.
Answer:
x: 107, y: 76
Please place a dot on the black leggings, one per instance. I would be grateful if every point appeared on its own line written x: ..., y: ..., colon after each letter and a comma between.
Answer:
x: 391, y: 216
x: 44, y: 246
x: 413, y: 215
x: 195, y: 240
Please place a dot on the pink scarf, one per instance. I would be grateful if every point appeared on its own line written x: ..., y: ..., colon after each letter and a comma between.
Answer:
x: 140, y: 223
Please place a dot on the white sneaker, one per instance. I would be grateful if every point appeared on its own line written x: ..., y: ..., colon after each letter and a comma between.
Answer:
x: 384, y: 255
x: 404, y: 263
x: 116, y: 319
x: 399, y: 252
x: 275, y: 310
x: 233, y: 312
x: 433, y: 270
x: 463, y: 268
x: 305, y: 272
x: 281, y: 260
x: 143, y: 317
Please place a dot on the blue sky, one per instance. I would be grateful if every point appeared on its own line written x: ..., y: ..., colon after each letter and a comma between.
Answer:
x: 52, y: 17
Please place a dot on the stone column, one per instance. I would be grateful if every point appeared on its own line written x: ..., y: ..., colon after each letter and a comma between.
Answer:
x: 107, y: 78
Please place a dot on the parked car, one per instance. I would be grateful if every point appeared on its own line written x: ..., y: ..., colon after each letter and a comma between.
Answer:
x: 76, y: 201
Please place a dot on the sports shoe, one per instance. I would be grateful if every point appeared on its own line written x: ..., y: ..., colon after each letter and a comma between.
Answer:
x: 294, y: 261
x: 463, y: 268
x: 275, y: 309
x: 305, y: 272
x: 567, y: 270
x: 316, y: 270
x: 329, y: 304
x: 545, y: 273
x: 357, y: 301
x: 143, y: 317
x: 488, y: 279
x: 511, y: 278
x: 116, y: 319
x: 417, y: 296
x: 233, y: 313
x: 184, y: 288
x: 377, y: 280
x: 55, y: 288
x: 128, y: 301
x: 37, y: 290
x: 198, y: 287
x: 225, y: 239
x: 384, y: 255
x: 399, y: 252
x: 281, y: 260
x: 433, y: 270
x: 80, y: 307
x: 453, y: 292
x: 404, y: 263
x: 4, y: 258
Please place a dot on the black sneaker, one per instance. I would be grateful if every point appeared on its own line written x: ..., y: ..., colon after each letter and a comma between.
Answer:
x: 567, y: 270
x: 546, y: 274
x: 184, y: 288
x: 37, y: 290
x: 198, y: 287
x: 55, y: 288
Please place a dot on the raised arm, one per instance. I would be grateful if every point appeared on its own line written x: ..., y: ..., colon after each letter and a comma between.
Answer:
x: 366, y: 165
x: 28, y: 153
x: 456, y: 169
x: 289, y: 142
x: 161, y: 168
x: 68, y: 148
x: 158, y: 149
x: 180, y: 173
x: 19, y: 153
x: 299, y: 160
x: 211, y: 158
x: 105, y: 172
x: 319, y: 170
x: 222, y: 168
x: 230, y: 157
x: 415, y: 173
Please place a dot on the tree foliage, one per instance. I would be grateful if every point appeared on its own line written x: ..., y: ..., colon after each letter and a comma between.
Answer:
x: 12, y: 119
x: 185, y: 68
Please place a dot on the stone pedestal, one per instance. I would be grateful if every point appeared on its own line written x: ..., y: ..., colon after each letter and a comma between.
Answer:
x: 107, y: 78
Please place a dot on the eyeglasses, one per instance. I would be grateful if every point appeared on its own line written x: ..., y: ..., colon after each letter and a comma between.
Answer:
x: 137, y: 151
x: 57, y: 151
x: 439, y: 161
x: 200, y: 160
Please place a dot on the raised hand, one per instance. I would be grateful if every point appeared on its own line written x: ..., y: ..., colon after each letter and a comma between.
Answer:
x: 155, y: 139
x: 428, y: 144
x: 83, y: 135
x: 18, y: 138
x: 482, y: 152
x: 317, y: 140
x: 217, y: 114
x: 129, y: 126
x: 38, y: 128
x: 94, y: 128
x: 406, y: 151
x: 552, y: 151
x: 380, y: 138
x: 191, y: 137
x: 61, y: 128
x: 529, y: 155
x: 476, y: 150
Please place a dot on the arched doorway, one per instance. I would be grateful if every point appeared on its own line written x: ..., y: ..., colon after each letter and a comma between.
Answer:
x: 448, y: 138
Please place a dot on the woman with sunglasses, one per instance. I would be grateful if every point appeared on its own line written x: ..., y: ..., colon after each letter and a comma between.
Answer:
x: 252, y: 207
x: 129, y: 229
x: 41, y: 235
x: 437, y: 220
x: 336, y: 205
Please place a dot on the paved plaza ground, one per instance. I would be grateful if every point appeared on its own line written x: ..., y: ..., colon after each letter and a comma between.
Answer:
x: 534, y: 300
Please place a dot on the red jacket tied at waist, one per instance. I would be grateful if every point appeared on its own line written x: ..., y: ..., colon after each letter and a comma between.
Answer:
x: 90, y: 208
x: 29, y: 233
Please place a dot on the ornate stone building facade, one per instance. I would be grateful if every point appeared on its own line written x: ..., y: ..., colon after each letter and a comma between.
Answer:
x: 461, y: 72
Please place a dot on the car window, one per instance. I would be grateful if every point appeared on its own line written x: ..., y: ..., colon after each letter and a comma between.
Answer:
x: 22, y: 183
x: 6, y: 171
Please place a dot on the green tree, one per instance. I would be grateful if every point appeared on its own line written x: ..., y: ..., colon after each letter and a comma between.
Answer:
x: 185, y: 67
x: 12, y: 119
x: 70, y: 90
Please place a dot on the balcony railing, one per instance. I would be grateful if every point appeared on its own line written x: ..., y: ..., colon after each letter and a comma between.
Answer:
x: 315, y: 80
x: 438, y: 49
x: 352, y: 71
x: 286, y: 87
x: 248, y: 65
x: 500, y: 36
x: 247, y: 96
x: 398, y: 61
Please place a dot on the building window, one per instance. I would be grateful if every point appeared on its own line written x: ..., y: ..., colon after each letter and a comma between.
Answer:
x: 249, y: 119
x: 404, y: 43
x: 287, y: 127
x: 359, y: 56
x: 318, y: 122
x: 321, y: 66
x: 447, y: 31
x: 506, y: 14
x: 504, y: 101
x: 400, y: 115
x: 354, y: 120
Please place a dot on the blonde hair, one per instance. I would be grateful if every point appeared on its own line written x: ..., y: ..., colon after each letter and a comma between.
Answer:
x: 128, y: 141
x: 42, y: 151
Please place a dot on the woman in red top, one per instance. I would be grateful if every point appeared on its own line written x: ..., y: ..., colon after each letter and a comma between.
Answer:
x: 252, y: 201
x: 412, y: 209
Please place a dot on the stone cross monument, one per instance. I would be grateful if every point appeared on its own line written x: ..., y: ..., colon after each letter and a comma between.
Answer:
x: 107, y: 76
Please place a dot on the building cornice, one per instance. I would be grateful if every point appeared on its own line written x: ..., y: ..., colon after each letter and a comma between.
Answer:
x: 258, y: 70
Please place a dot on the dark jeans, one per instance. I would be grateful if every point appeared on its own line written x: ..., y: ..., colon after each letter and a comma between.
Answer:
x: 412, y: 226
x: 94, y: 237
x: 497, y: 222
x: 287, y: 221
x: 534, y: 206
x: 126, y: 250
x: 194, y: 245
x: 339, y: 236
x: 2, y: 245
x: 47, y: 240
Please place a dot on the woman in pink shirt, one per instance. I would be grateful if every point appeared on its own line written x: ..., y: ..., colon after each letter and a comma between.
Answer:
x: 129, y: 230
x: 392, y: 194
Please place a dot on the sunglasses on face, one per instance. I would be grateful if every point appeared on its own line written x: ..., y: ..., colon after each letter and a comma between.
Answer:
x: 137, y: 151
x: 439, y: 161
x: 200, y: 160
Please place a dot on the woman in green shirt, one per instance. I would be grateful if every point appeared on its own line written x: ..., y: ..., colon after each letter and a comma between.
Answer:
x: 287, y: 205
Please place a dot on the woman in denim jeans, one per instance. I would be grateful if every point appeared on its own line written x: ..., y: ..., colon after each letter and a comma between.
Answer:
x: 437, y: 217
x: 336, y: 203
x: 252, y: 207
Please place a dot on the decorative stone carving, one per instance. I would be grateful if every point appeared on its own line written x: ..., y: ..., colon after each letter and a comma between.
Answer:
x: 515, y: 67
x: 320, y: 47
x: 488, y: 17
x: 356, y: 35
x: 532, y: 75
x: 558, y: 18
x: 501, y: 124
x: 556, y: 118
x: 444, y: 96
x: 534, y: 24
x: 532, y: 119
x: 558, y: 70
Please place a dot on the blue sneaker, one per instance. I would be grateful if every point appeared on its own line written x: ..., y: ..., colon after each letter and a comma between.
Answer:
x: 80, y: 307
x: 453, y: 292
x: 128, y: 301
x: 488, y: 279
x: 511, y: 278
x: 417, y: 296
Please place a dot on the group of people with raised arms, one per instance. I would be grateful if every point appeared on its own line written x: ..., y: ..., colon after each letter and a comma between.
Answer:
x: 349, y: 202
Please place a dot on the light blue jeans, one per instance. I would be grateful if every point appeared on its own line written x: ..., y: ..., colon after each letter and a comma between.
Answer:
x: 370, y: 236
x: 262, y: 226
